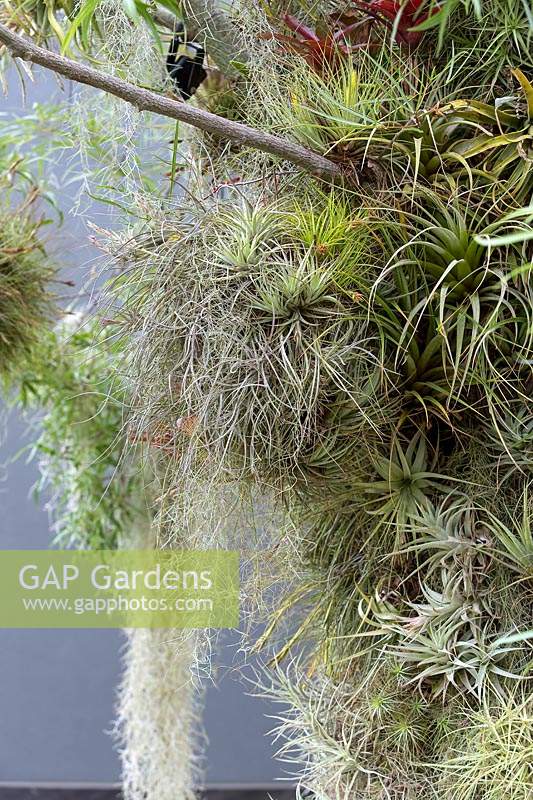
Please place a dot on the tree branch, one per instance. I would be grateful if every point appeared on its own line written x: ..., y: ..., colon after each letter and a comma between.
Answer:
x: 146, y: 100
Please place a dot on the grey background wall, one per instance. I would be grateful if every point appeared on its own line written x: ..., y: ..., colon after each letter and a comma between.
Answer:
x: 58, y: 688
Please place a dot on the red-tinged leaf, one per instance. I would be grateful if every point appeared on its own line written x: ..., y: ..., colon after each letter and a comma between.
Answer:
x: 298, y: 27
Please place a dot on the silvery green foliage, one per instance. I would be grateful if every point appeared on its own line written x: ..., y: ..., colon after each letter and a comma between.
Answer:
x: 159, y: 716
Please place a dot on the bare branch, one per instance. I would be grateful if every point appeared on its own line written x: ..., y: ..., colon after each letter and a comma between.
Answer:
x: 146, y: 100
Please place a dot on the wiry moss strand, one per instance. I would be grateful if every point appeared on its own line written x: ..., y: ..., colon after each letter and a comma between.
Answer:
x: 158, y: 716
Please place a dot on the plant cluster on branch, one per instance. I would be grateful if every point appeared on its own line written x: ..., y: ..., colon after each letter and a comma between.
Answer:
x: 356, y: 355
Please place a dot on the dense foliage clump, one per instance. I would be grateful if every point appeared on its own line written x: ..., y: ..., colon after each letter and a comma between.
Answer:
x: 363, y: 354
x: 27, y: 305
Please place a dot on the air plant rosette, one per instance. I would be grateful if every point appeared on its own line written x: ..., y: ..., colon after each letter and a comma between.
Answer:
x: 27, y: 303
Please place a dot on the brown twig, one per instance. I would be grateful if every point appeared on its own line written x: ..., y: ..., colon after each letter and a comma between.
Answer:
x: 146, y: 100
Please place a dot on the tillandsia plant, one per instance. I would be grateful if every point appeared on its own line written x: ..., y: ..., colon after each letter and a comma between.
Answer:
x: 27, y: 302
x: 351, y: 362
